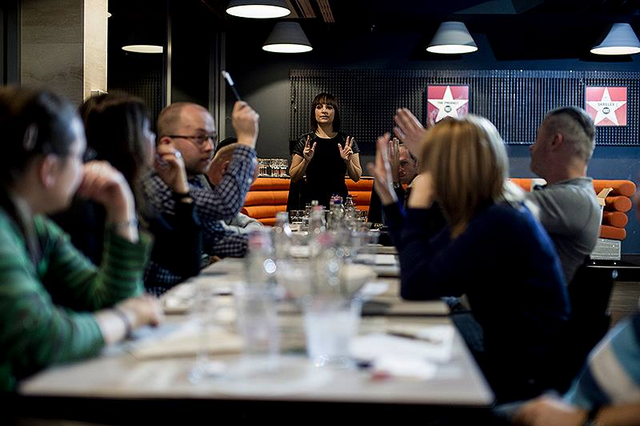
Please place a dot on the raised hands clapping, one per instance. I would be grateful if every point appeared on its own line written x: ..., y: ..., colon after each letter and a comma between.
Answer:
x: 409, y: 130
x: 381, y: 172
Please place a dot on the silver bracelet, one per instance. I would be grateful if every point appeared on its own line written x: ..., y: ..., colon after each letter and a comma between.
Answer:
x: 127, y: 322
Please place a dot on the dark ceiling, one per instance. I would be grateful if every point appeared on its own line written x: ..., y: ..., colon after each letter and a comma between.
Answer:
x: 515, y: 29
x: 512, y: 29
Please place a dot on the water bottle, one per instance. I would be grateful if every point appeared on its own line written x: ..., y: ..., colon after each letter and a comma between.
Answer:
x: 317, y: 223
x: 260, y: 260
x: 282, y: 235
x: 336, y: 214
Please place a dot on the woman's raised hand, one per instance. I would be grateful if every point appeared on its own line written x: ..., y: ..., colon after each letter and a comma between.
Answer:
x: 309, y: 149
x: 169, y: 165
x: 346, y: 151
x: 409, y: 130
x: 105, y: 185
x: 381, y: 172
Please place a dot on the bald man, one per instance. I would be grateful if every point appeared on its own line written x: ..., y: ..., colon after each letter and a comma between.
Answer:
x: 191, y: 130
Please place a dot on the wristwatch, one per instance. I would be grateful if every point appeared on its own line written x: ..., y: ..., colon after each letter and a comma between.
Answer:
x: 180, y: 196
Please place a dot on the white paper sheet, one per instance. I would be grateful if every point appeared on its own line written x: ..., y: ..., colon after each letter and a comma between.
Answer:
x: 186, y: 340
x: 433, y: 343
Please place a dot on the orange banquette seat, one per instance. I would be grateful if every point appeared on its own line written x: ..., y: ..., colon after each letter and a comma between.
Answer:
x: 268, y: 196
x: 617, y: 204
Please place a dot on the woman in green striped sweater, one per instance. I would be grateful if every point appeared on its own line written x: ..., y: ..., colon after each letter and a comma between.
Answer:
x: 55, y: 306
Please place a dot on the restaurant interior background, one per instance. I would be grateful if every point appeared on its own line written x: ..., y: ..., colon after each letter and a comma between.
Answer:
x: 200, y: 39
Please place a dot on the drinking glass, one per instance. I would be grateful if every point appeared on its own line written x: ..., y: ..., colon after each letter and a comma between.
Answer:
x: 330, y: 325
x: 211, y: 312
x: 257, y: 310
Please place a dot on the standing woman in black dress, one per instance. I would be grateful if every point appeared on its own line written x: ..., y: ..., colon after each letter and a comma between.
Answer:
x: 325, y: 155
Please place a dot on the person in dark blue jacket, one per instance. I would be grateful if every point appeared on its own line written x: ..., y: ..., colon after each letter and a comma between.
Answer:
x: 493, y: 249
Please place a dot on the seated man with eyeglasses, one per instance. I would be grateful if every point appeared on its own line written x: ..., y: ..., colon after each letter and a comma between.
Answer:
x: 191, y: 130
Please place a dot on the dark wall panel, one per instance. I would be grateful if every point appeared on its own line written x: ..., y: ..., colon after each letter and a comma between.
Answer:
x: 263, y: 80
x: 515, y: 101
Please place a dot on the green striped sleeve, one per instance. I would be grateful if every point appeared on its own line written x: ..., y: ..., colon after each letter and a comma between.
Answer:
x: 34, y: 332
x: 86, y: 287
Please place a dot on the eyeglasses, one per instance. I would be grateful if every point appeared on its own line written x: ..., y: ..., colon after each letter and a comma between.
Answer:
x: 198, y: 140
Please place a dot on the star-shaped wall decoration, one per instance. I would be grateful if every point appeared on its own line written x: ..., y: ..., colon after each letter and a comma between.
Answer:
x: 447, y: 101
x: 607, y: 106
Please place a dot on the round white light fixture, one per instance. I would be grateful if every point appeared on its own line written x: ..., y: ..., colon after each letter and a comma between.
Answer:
x: 143, y: 48
x: 258, y: 9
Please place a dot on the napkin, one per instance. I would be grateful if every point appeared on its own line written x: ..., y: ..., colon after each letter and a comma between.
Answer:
x: 432, y: 343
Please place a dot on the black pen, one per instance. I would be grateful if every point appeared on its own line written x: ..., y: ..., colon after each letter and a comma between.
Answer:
x: 231, y: 85
x: 414, y: 337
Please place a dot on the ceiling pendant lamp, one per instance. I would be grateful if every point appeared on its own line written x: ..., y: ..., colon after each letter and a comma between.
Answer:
x: 143, y: 48
x: 143, y: 40
x: 287, y: 37
x: 621, y: 40
x: 451, y: 38
x: 258, y: 9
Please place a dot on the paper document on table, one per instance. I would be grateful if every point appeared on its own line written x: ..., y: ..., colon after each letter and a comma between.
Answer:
x: 373, y: 288
x: 433, y: 343
x: 181, y: 298
x: 386, y: 250
x: 186, y: 340
x: 378, y: 259
x: 405, y: 367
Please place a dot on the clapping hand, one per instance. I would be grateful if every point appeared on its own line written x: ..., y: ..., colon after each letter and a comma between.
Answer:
x: 347, y: 151
x: 169, y: 165
x: 409, y: 130
x: 394, y: 160
x: 309, y: 150
x: 381, y: 172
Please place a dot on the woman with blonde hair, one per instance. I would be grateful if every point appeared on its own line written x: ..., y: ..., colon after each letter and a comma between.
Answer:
x: 493, y: 250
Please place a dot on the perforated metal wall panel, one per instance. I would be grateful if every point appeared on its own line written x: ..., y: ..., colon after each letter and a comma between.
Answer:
x: 514, y: 100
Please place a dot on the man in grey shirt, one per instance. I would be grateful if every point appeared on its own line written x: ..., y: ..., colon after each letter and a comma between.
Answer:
x: 569, y: 208
x: 240, y: 223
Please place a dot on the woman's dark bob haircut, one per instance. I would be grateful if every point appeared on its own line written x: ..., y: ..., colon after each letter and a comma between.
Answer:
x: 328, y: 99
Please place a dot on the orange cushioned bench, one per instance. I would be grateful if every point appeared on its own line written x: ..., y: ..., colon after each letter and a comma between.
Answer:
x: 617, y: 203
x: 268, y: 196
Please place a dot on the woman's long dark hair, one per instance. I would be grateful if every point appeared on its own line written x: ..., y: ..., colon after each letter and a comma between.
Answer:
x: 32, y: 123
x: 328, y: 99
x: 114, y: 124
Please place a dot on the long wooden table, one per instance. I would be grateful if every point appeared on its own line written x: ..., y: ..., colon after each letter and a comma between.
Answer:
x: 96, y: 389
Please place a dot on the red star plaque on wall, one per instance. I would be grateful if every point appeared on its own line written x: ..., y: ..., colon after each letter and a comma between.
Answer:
x: 607, y: 106
x: 446, y: 101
